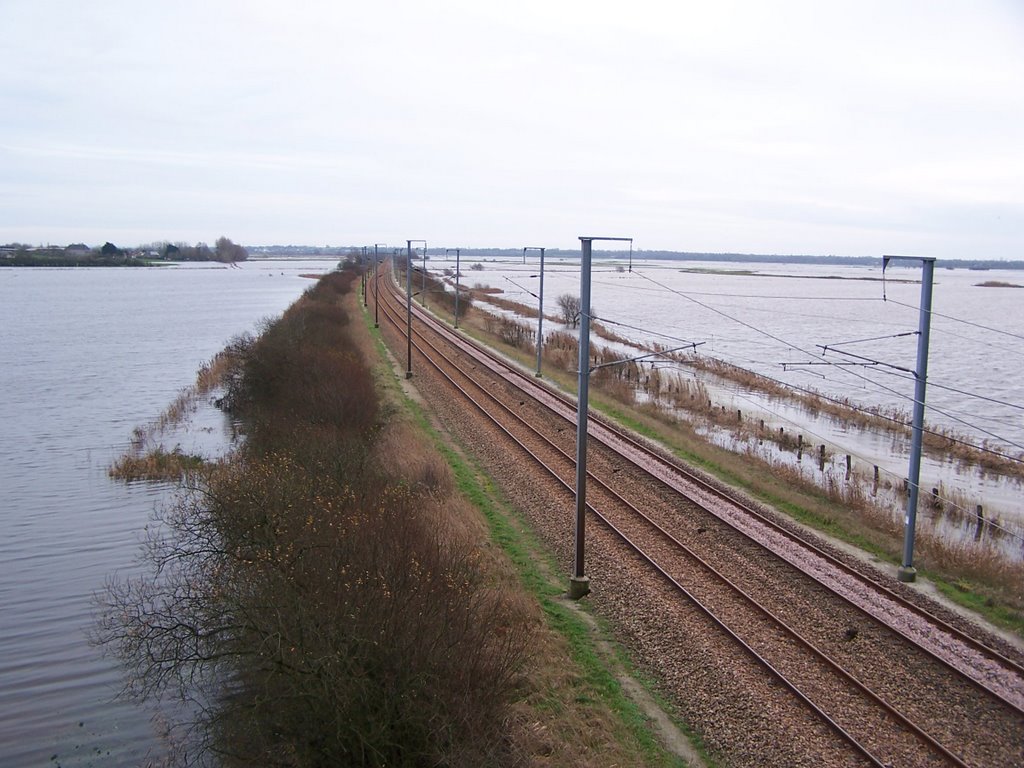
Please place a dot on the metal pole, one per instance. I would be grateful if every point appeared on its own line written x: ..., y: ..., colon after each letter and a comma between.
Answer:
x: 423, y: 289
x: 408, y: 308
x: 457, y: 252
x: 376, y: 285
x: 579, y: 584
x: 907, y: 572
x: 540, y: 315
x: 366, y: 298
x: 408, y: 303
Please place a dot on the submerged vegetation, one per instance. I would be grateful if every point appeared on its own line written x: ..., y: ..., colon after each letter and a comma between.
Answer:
x: 146, y: 457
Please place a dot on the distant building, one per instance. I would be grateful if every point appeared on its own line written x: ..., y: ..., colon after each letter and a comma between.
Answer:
x: 76, y: 249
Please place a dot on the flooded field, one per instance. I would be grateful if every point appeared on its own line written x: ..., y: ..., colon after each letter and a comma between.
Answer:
x: 821, y: 335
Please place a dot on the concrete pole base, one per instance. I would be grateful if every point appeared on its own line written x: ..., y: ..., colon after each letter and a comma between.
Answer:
x: 579, y: 586
x: 408, y: 374
x: 906, y: 574
x: 537, y: 374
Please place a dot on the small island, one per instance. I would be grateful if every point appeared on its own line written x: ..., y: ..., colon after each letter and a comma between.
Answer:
x: 997, y: 284
x: 109, y: 255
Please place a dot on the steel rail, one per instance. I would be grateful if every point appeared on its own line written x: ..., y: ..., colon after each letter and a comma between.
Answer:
x: 842, y: 673
x: 800, y: 695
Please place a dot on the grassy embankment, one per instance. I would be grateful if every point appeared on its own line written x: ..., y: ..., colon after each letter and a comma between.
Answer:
x: 977, y: 577
x: 330, y: 593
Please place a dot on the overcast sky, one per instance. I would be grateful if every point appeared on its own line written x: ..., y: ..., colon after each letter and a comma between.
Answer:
x: 819, y: 126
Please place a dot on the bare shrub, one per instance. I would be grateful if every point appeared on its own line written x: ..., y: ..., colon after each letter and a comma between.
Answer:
x: 605, y: 333
x: 569, y: 308
x: 410, y: 464
x: 561, y: 340
x: 514, y: 333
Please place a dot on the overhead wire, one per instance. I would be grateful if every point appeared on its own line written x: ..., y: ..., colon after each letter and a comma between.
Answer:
x: 844, y: 403
x: 859, y: 376
x: 688, y: 295
x: 949, y: 502
x: 938, y: 331
x: 666, y: 289
x: 961, y: 320
x: 755, y: 329
x: 965, y: 393
x: 863, y: 378
x: 644, y: 330
x: 797, y: 348
x: 958, y: 420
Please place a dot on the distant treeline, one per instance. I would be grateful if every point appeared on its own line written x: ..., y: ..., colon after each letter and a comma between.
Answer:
x: 58, y: 257
x: 439, y: 252
x: 749, y: 258
x: 223, y: 250
x: 110, y: 255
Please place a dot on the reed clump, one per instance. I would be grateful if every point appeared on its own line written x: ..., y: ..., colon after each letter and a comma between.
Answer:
x: 155, y: 465
x: 147, y: 458
x: 491, y: 297
x: 311, y: 593
x: 509, y: 331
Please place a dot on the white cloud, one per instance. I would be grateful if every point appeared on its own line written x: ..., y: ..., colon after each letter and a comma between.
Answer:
x: 791, y: 126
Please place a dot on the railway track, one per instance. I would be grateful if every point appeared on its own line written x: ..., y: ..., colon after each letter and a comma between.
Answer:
x: 889, y: 682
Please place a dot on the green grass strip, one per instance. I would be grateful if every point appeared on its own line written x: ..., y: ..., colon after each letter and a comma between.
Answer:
x: 513, y: 535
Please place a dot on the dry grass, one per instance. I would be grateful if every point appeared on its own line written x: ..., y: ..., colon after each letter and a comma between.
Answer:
x: 490, y: 296
x: 155, y: 465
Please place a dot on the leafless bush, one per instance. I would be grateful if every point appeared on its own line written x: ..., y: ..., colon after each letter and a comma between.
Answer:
x: 569, y: 308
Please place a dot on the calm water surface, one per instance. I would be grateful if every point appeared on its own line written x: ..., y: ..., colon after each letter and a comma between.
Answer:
x: 87, y: 355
